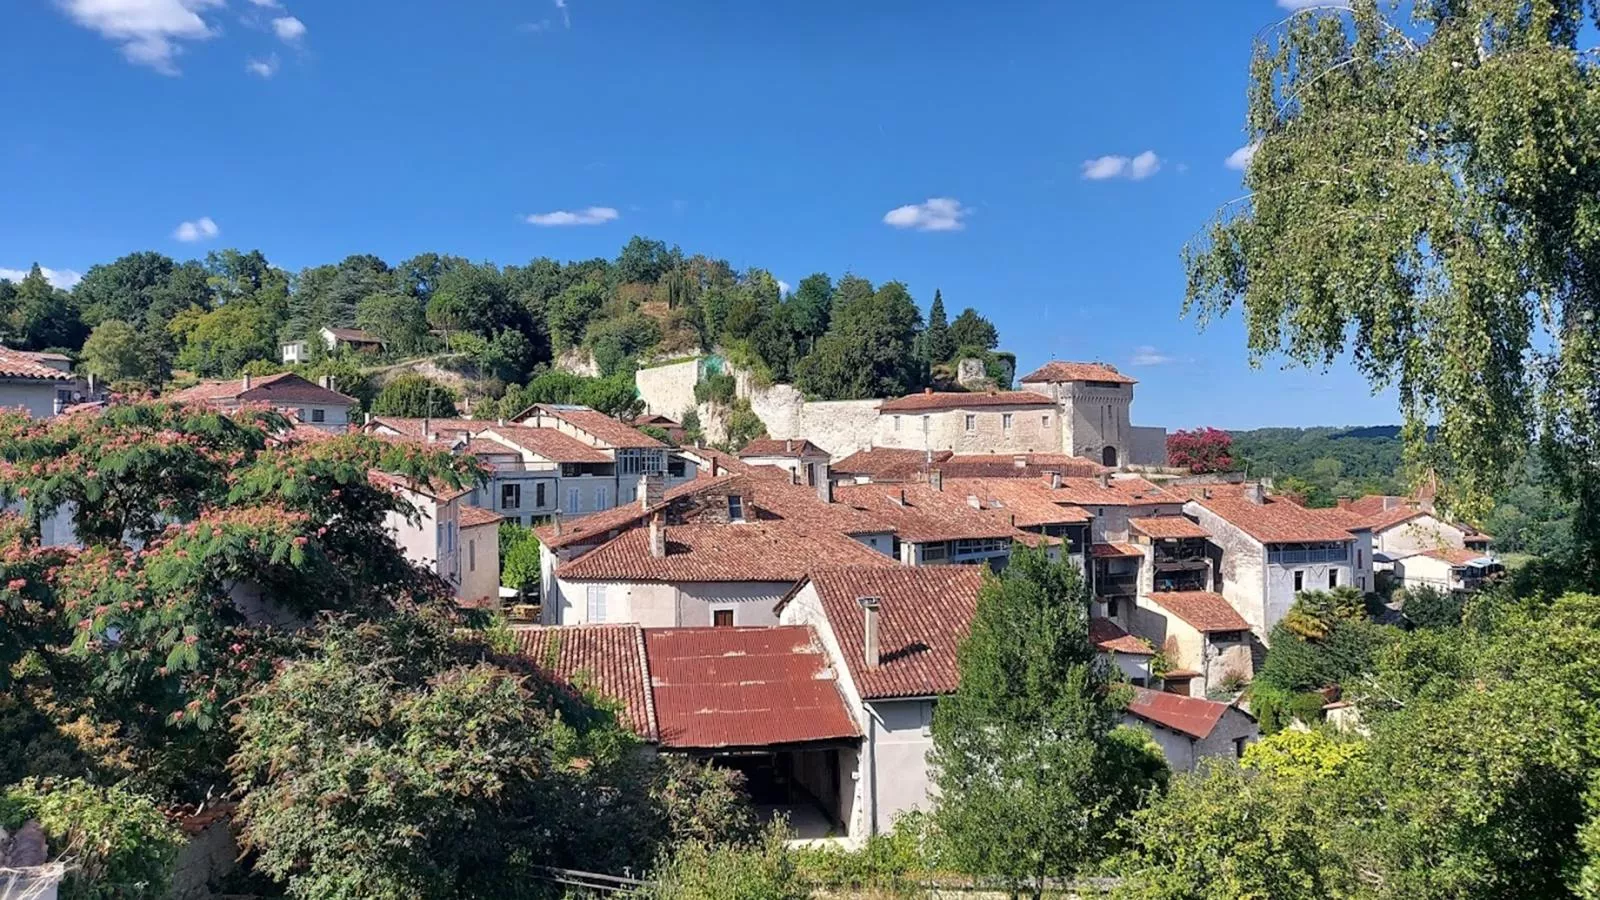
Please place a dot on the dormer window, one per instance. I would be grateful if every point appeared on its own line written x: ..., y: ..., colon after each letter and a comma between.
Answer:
x: 735, y: 508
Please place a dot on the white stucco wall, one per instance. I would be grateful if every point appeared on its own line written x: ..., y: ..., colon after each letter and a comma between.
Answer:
x: 1422, y: 533
x: 36, y: 398
x: 665, y: 605
x: 1183, y: 751
x: 1242, y: 576
x: 901, y: 736
x: 1034, y: 429
x: 480, y: 562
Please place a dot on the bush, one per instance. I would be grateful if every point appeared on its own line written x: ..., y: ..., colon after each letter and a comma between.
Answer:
x: 117, y: 842
x: 742, y: 425
x: 519, y: 558
x: 892, y: 861
x: 716, y: 388
x: 759, y: 870
x: 1427, y: 607
x: 415, y: 396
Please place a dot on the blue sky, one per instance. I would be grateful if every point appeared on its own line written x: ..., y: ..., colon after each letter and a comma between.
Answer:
x: 1068, y: 151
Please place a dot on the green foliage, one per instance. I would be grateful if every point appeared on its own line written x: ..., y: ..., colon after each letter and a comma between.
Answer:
x: 692, y: 431
x: 36, y: 315
x: 716, y: 387
x: 870, y: 348
x: 616, y: 342
x: 396, y: 318
x: 415, y: 396
x: 1303, y: 755
x: 614, y: 396
x: 741, y: 424
x: 219, y: 343
x: 971, y: 330
x: 519, y: 558
x: 759, y: 870
x: 1429, y: 607
x: 117, y: 841
x: 1330, y: 462
x: 115, y: 352
x: 893, y: 861
x: 1031, y: 773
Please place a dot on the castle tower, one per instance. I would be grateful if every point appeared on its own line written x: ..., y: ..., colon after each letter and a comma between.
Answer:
x: 1094, y: 401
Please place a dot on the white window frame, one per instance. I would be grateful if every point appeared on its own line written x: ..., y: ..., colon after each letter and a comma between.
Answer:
x: 735, y: 508
x: 972, y: 423
x: 596, y: 596
x: 1005, y: 421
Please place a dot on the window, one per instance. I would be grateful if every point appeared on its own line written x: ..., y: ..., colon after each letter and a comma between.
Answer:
x: 1111, y: 607
x: 319, y: 415
x: 472, y: 556
x: 938, y: 551
x: 811, y: 475
x: 1299, y: 580
x: 1005, y: 421
x: 630, y: 462
x: 896, y: 423
x: 600, y: 498
x: 1238, y: 747
x: 735, y: 508
x: 597, y: 603
x: 572, y: 501
x: 538, y: 495
x: 510, y: 496
x: 722, y: 618
x: 1138, y: 682
x: 1333, y: 578
x: 972, y: 423
x: 1359, y: 563
x: 1361, y: 582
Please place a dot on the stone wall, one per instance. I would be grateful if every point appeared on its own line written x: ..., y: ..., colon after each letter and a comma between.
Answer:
x: 840, y: 427
x: 669, y: 390
x: 1148, y: 446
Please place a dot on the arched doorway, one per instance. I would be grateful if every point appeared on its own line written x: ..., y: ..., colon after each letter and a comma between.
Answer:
x: 1108, y: 457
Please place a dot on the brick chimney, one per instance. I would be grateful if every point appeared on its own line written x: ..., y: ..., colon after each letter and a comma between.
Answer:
x: 869, y: 631
x: 658, y: 536
x: 825, y: 486
x: 652, y: 491
x: 1020, y: 460
x: 974, y: 502
x: 1254, y: 493
x: 247, y: 383
x: 788, y: 445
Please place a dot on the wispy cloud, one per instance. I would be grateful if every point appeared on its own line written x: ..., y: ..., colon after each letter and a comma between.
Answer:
x: 61, y: 278
x: 1133, y: 168
x: 589, y: 215
x: 783, y: 287
x: 150, y: 32
x: 266, y: 68
x: 535, y: 27
x: 1146, y: 355
x: 201, y: 229
x: 934, y: 214
x: 1240, y: 158
x: 266, y: 4
x: 566, y: 16
x: 288, y: 29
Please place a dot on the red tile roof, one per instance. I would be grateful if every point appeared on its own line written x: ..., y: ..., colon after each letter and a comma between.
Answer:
x: 1108, y: 636
x: 921, y: 514
x: 547, y: 443
x: 887, y: 463
x: 788, y: 449
x: 1005, y: 465
x: 1167, y: 527
x: 717, y: 688
x: 772, y: 551
x: 1116, y: 492
x: 20, y: 364
x: 1192, y: 716
x: 1455, y: 556
x: 1276, y: 520
x: 284, y: 387
x: 606, y: 659
x: 1386, y: 519
x: 603, y: 428
x: 355, y: 336
x: 596, y: 526
x: 923, y: 615
x: 413, y: 428
x: 1029, y: 500
x: 1205, y: 611
x: 933, y: 401
x: 725, y: 463
x: 471, y: 516
x: 442, y: 493
x: 1057, y: 370
x: 1113, y: 551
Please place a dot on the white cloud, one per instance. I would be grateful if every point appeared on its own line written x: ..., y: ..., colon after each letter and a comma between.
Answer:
x: 266, y: 68
x: 566, y: 17
x: 783, y: 287
x: 936, y: 214
x: 591, y: 215
x: 266, y: 4
x: 1240, y: 158
x: 1146, y: 355
x: 288, y: 29
x: 1134, y: 168
x: 61, y: 278
x: 148, y: 30
x: 201, y: 229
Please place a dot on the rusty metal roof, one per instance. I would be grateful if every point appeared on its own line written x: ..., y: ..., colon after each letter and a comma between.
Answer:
x: 1190, y: 716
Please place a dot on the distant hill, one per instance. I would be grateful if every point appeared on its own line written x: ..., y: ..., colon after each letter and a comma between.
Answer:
x: 1326, y: 462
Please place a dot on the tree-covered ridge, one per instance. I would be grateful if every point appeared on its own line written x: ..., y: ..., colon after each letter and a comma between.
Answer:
x: 136, y: 319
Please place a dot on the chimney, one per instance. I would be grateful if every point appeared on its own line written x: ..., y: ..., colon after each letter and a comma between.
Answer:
x: 500, y: 422
x: 1254, y: 493
x: 927, y: 391
x: 936, y: 479
x: 556, y: 518
x: 326, y: 381
x: 247, y: 383
x: 1205, y: 493
x: 368, y: 419
x: 899, y: 499
x: 1104, y: 478
x: 1020, y: 460
x: 788, y: 445
x: 869, y: 643
x: 658, y: 537
x: 825, y: 487
x: 652, y: 491
x: 974, y: 502
x: 1055, y: 481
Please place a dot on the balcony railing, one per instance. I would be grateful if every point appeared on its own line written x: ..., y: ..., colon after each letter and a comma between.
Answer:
x: 1116, y: 585
x: 1318, y: 555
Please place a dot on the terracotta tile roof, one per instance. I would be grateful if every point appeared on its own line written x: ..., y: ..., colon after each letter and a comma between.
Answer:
x: 924, y: 613
x: 1372, y: 504
x: 20, y: 364
x: 655, y: 419
x: 788, y: 449
x: 717, y: 688
x: 1113, y: 551
x: 603, y: 428
x: 1005, y: 465
x: 1205, y: 611
x: 441, y: 493
x: 725, y: 463
x: 606, y: 659
x: 1057, y: 370
x: 471, y: 516
x: 1389, y: 518
x: 1278, y: 521
x: 1115, y: 492
x: 749, y: 551
x: 1455, y: 556
x: 1168, y: 527
x: 886, y: 463
x: 1029, y: 500
x: 413, y: 428
x: 484, y: 447
x: 933, y: 401
x: 284, y: 387
x: 927, y: 514
x: 1192, y: 716
x: 547, y: 443
x: 1111, y: 638
x: 355, y: 335
x: 596, y: 526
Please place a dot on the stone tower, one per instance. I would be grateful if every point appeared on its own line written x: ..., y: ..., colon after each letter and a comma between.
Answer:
x: 1094, y: 400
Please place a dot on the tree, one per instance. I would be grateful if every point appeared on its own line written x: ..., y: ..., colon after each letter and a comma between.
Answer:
x: 809, y: 308
x: 519, y: 558
x: 869, y: 350
x: 42, y: 316
x: 415, y: 396
x: 119, y: 841
x: 938, y: 345
x: 220, y: 342
x: 1032, y: 770
x: 116, y: 352
x: 329, y: 295
x: 571, y: 311
x: 397, y: 318
x: 1201, y: 451
x: 974, y: 332
x: 1422, y: 194
x: 644, y: 261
